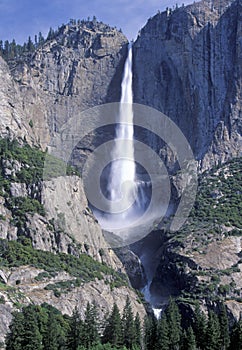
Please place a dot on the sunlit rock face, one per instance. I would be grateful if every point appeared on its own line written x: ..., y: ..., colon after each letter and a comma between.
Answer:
x: 79, y: 68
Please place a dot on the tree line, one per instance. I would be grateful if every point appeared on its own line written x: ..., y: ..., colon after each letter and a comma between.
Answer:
x: 10, y: 50
x: 45, y: 328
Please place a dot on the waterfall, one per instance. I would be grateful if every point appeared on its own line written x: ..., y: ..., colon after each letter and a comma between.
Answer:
x: 124, y: 185
x: 122, y: 174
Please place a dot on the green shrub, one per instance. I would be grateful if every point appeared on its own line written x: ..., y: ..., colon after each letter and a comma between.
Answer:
x: 85, y: 268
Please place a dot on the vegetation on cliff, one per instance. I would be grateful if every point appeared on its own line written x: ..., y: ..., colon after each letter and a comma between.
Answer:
x: 84, y: 268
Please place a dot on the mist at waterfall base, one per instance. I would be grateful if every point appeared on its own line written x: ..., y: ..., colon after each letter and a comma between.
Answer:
x: 120, y: 180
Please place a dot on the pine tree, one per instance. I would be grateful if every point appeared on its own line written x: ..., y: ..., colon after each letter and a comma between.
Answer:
x: 12, y: 49
x: 128, y: 325
x: 200, y: 326
x: 149, y: 333
x: 74, y: 333
x: 224, y: 328
x: 213, y: 332
x: 162, y: 337
x: 32, y: 339
x: 14, y: 338
x: 174, y: 324
x: 137, y: 330
x: 113, y: 329
x: 30, y: 45
x: 41, y: 39
x: 236, y: 336
x: 189, y: 340
x: 51, y: 34
x: 1, y: 47
x: 90, y: 334
x: 6, y: 49
x: 54, y: 338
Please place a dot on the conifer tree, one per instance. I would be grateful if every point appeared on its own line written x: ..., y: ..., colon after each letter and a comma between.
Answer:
x: 149, y: 333
x: 224, y: 328
x: 41, y: 39
x: 113, y: 329
x: 90, y: 334
x: 6, y: 49
x: 236, y: 336
x: 174, y: 324
x: 137, y: 330
x: 128, y: 325
x: 54, y: 338
x: 30, y: 45
x: 200, y: 326
x: 32, y: 339
x: 14, y: 338
x: 213, y: 332
x: 162, y: 337
x: 74, y: 333
x: 51, y: 34
x: 189, y: 340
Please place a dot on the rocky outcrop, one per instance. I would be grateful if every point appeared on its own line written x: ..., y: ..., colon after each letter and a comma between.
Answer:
x: 187, y: 64
x: 202, y: 261
x: 80, y: 67
x: 65, y: 203
x: 25, y: 285
x: 13, y: 123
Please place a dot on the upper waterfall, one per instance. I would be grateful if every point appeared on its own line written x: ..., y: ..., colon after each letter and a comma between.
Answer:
x: 122, y: 174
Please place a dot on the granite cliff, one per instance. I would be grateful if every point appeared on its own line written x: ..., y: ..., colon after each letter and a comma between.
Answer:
x: 80, y: 67
x: 187, y: 64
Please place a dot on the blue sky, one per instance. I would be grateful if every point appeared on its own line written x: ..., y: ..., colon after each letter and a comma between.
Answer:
x: 21, y: 18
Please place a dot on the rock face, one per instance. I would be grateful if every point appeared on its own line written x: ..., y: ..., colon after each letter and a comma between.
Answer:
x: 79, y: 68
x: 202, y: 261
x: 65, y: 203
x: 187, y: 64
x: 23, y: 287
x: 13, y: 123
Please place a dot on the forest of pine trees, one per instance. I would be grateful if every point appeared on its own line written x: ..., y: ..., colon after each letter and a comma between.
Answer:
x: 11, y: 50
x: 45, y: 328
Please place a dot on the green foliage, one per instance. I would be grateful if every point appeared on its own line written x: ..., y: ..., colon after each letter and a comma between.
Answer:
x: 85, y: 268
x: 162, y: 341
x: 224, y: 328
x: 35, y: 164
x: 174, y: 323
x: 189, y: 340
x: 90, y: 327
x: 37, y: 327
x: 149, y: 333
x: 63, y: 286
x: 137, y: 332
x: 213, y: 332
x: 200, y: 327
x: 25, y: 333
x: 113, y: 329
x: 20, y: 206
x: 236, y: 336
x: 44, y: 327
x: 74, y: 331
x: 31, y: 123
x: 128, y: 326
x: 219, y: 195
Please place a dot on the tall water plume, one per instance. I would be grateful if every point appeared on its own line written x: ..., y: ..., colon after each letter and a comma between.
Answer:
x: 122, y: 173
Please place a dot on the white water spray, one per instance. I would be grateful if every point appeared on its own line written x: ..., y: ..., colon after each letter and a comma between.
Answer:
x: 122, y: 174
